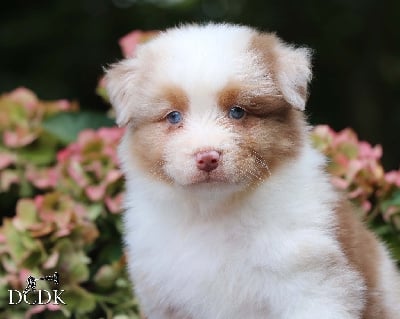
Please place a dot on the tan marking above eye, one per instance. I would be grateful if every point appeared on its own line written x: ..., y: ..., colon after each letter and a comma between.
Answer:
x: 258, y: 105
x: 264, y: 105
x: 176, y: 98
x: 229, y: 97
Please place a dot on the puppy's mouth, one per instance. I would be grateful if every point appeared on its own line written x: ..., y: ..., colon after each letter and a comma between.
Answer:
x: 209, y: 178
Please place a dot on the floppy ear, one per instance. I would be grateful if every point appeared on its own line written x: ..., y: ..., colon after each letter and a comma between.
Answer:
x: 120, y: 85
x: 290, y: 67
x: 293, y: 73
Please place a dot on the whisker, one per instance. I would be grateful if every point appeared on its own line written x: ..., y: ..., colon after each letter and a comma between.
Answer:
x: 260, y: 161
x: 155, y: 171
x: 250, y: 172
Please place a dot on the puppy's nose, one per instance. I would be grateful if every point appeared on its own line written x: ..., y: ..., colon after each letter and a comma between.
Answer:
x: 207, y: 160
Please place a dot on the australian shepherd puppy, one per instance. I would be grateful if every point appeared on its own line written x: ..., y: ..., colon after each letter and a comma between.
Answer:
x: 229, y: 213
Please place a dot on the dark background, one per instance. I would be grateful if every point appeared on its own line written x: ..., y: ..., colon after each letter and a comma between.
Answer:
x: 57, y: 48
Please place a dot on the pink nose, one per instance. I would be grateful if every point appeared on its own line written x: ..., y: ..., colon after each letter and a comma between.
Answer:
x: 207, y: 160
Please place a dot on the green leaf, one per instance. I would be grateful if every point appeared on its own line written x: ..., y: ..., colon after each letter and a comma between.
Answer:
x: 111, y: 251
x: 42, y: 151
x: 102, y: 92
x: 94, y: 211
x: 394, y: 200
x: 26, y: 212
x: 79, y: 300
x: 15, y: 241
x: 106, y: 276
x: 66, y: 126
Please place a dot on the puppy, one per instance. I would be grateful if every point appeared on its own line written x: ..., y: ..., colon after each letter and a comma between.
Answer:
x: 229, y: 213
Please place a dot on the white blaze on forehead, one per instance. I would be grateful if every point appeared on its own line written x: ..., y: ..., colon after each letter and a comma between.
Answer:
x: 202, y: 61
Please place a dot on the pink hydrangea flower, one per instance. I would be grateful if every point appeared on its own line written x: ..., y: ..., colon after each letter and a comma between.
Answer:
x: 25, y: 97
x: 129, y: 42
x: 34, y: 310
x: 6, y: 159
x: 18, y: 137
x: 89, y: 167
x: 393, y: 177
x: 42, y: 178
x: 355, y: 165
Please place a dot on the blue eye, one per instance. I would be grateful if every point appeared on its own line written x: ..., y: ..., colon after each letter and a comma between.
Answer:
x: 174, y: 117
x: 236, y: 113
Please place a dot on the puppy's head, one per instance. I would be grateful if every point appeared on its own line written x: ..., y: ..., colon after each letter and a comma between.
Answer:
x: 211, y: 105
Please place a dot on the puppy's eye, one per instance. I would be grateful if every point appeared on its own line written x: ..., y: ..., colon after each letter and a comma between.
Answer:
x: 174, y: 117
x: 236, y: 113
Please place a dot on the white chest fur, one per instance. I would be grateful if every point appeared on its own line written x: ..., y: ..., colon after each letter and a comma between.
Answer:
x: 274, y: 255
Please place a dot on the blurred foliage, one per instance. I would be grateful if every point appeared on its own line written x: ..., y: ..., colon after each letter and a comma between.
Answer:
x: 24, y: 142
x: 356, y: 169
x: 66, y: 219
x: 60, y: 186
x: 58, y: 48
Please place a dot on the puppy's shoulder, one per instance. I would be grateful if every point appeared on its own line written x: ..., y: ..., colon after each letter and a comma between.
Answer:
x: 365, y: 254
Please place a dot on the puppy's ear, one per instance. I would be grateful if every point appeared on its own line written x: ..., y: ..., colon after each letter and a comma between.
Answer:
x: 290, y: 67
x: 120, y: 85
x: 293, y: 73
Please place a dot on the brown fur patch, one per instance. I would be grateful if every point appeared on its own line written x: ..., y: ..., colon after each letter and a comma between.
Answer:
x: 147, y: 147
x: 155, y: 108
x: 149, y: 137
x: 260, y: 105
x: 273, y: 139
x: 271, y: 132
x: 229, y: 96
x: 176, y: 98
x: 267, y: 142
x: 264, y: 44
x: 361, y: 248
x: 267, y: 105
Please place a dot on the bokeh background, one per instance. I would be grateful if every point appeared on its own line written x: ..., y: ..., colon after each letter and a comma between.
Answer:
x: 60, y: 184
x: 58, y: 48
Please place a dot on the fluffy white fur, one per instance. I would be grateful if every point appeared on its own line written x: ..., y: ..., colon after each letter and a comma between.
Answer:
x: 199, y: 251
x: 267, y: 257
